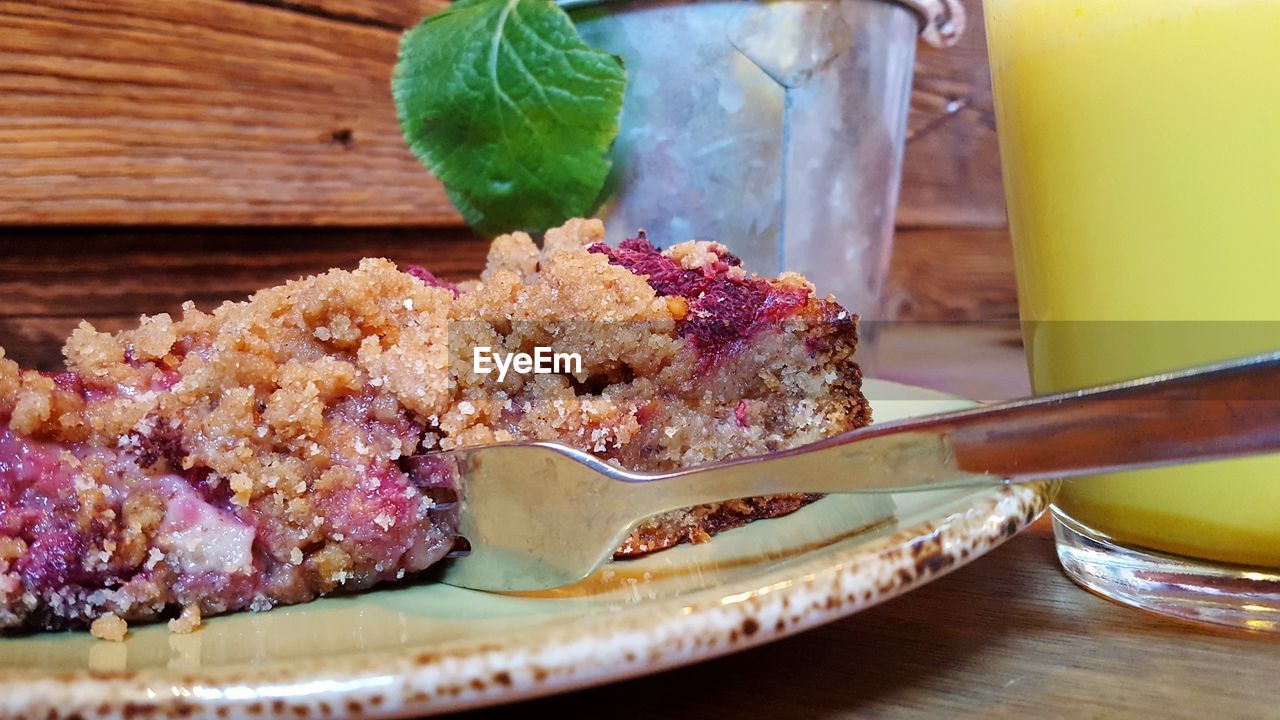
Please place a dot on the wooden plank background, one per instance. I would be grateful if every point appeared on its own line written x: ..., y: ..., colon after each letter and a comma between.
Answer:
x: 152, y: 152
x: 234, y: 112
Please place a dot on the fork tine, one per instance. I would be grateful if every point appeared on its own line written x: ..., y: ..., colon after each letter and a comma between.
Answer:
x: 536, y: 516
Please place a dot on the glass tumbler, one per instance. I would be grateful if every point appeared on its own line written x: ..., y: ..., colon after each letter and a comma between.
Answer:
x: 1140, y: 141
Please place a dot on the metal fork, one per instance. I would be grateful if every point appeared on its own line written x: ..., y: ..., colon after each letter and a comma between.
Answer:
x: 542, y: 515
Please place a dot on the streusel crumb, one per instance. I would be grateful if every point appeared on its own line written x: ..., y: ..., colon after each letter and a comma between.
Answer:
x: 187, y: 622
x: 109, y: 627
x: 513, y: 253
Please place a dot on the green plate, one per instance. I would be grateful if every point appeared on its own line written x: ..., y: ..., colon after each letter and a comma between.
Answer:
x: 428, y: 648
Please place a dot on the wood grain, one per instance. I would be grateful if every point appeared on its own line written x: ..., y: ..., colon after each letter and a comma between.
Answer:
x: 951, y: 172
x: 977, y: 360
x: 102, y: 272
x: 202, y: 112
x: 236, y: 112
x: 50, y: 278
x: 956, y: 274
x: 395, y: 14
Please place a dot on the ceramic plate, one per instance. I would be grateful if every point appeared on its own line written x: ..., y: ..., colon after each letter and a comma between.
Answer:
x: 429, y: 648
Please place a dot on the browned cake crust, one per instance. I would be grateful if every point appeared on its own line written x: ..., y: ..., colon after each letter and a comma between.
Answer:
x: 698, y: 524
x: 252, y: 456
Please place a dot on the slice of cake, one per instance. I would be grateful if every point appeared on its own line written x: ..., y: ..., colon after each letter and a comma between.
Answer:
x: 253, y: 456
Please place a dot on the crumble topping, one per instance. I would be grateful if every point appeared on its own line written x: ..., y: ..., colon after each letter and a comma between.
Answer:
x: 109, y: 627
x: 187, y: 622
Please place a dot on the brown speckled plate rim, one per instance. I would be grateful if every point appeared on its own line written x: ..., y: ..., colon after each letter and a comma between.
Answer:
x: 643, y: 639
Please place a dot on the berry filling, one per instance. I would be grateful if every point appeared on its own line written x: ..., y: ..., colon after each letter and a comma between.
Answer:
x: 430, y: 278
x: 725, y: 309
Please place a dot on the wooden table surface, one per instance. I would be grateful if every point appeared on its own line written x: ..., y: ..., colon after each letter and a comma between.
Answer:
x: 1008, y: 635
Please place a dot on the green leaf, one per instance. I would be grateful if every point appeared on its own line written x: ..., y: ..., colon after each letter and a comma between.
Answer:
x: 507, y: 106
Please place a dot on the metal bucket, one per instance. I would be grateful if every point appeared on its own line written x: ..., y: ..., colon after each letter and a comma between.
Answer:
x: 774, y: 127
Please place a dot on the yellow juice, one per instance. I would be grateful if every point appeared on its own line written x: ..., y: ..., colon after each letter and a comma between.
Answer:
x: 1141, y: 150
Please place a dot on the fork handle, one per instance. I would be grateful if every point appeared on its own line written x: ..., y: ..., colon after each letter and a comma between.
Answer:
x: 1219, y: 411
